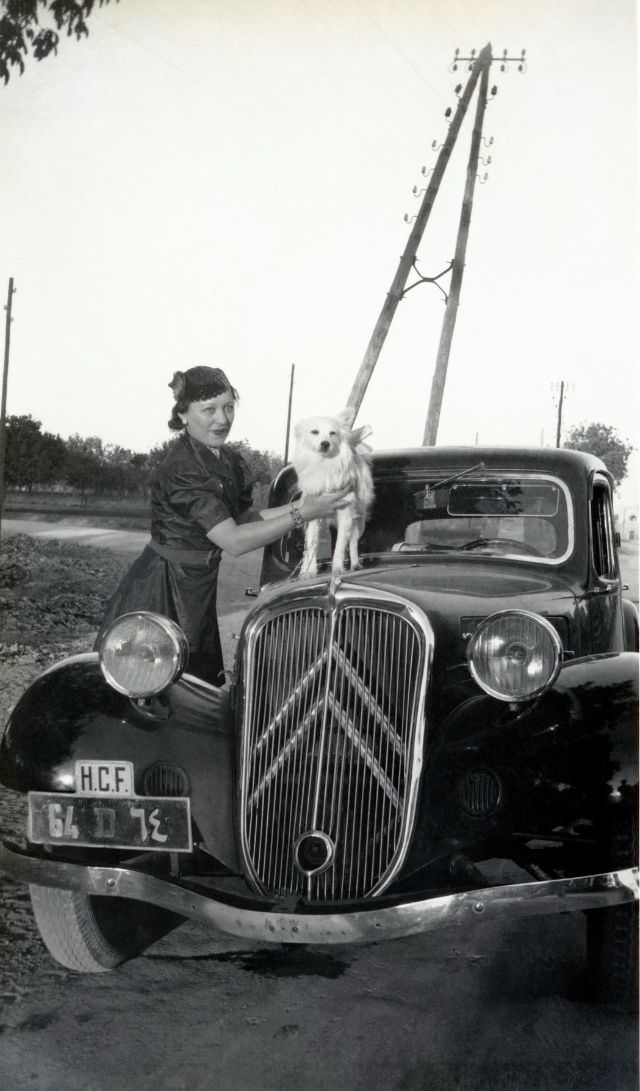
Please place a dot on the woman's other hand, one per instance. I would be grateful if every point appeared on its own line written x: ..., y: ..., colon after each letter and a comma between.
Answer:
x: 237, y: 538
x: 316, y: 507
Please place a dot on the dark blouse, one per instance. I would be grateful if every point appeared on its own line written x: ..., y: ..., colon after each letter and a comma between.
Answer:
x: 193, y: 490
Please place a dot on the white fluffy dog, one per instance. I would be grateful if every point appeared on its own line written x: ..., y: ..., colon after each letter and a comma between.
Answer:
x: 328, y: 455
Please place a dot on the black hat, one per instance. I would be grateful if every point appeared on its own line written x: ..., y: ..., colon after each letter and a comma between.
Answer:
x: 198, y: 383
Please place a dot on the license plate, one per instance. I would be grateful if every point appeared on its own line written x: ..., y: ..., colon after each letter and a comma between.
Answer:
x: 104, y: 778
x: 115, y: 822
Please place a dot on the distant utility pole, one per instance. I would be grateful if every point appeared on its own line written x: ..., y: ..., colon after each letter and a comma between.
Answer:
x: 560, y: 401
x: 397, y: 290
x: 3, y: 402
x: 286, y: 442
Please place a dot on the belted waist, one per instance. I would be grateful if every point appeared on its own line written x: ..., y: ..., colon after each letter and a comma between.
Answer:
x: 207, y: 558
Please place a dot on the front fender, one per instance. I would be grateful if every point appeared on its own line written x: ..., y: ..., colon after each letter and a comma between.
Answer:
x: 597, y: 694
x: 578, y: 739
x: 558, y: 763
x: 71, y: 713
x: 592, y: 712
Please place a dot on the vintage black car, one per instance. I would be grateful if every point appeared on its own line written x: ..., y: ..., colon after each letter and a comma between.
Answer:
x: 446, y: 734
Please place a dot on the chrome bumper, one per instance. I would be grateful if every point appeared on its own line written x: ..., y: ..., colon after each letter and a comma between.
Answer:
x: 350, y: 926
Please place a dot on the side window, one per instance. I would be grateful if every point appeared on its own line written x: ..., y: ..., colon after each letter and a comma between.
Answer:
x: 602, y: 532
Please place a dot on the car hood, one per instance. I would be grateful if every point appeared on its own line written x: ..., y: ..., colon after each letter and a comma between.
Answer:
x: 469, y: 586
x: 457, y: 596
x: 452, y: 590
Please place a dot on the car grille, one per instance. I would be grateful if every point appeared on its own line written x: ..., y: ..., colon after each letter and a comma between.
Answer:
x: 332, y: 731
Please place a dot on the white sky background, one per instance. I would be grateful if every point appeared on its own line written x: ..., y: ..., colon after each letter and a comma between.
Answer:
x: 224, y: 182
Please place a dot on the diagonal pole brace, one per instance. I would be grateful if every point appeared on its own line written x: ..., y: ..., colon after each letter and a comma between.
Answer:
x: 428, y: 280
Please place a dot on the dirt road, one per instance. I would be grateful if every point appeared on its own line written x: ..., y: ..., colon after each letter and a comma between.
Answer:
x: 497, y: 1008
x: 236, y: 575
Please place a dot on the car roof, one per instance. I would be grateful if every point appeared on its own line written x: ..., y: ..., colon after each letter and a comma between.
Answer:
x: 408, y: 462
x: 553, y: 460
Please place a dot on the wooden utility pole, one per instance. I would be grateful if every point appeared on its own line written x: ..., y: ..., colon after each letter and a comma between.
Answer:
x: 3, y: 402
x: 286, y: 442
x: 408, y: 258
x: 453, y: 300
x: 560, y: 401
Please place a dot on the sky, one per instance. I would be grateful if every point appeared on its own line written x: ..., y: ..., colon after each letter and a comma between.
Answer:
x: 225, y: 182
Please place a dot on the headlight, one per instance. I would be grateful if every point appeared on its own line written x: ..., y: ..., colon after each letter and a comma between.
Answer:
x: 514, y: 655
x: 141, y: 654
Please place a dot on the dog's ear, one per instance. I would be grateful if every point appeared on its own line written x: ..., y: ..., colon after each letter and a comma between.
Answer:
x: 298, y: 429
x: 357, y: 435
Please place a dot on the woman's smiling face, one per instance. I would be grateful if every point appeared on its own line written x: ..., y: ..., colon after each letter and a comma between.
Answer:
x: 210, y: 421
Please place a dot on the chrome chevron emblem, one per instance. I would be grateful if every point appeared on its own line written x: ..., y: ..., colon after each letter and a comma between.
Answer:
x: 333, y: 710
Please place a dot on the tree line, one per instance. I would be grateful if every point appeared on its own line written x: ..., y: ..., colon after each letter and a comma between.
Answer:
x: 38, y: 459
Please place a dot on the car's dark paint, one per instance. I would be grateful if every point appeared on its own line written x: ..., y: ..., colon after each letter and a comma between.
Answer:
x: 575, y: 746
x: 457, y: 593
x: 562, y: 761
x: 448, y: 592
x: 561, y: 764
x: 598, y: 621
x: 71, y: 713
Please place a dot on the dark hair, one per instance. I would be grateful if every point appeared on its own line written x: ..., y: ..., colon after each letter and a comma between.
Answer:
x: 198, y: 384
x: 181, y: 406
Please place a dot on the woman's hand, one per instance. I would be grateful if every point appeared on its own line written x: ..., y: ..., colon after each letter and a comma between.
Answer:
x: 250, y: 533
x: 317, y: 506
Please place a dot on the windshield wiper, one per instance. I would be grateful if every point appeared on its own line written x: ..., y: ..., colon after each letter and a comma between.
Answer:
x: 431, y: 487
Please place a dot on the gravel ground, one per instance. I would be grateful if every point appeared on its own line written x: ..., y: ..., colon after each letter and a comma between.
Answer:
x: 52, y: 599
x: 53, y: 595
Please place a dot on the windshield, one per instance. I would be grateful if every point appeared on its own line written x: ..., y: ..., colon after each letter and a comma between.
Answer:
x: 524, y: 516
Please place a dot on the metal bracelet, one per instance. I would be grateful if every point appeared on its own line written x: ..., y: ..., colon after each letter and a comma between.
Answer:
x: 296, y: 518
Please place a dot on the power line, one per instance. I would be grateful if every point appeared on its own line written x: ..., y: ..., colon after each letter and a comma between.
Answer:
x: 402, y: 54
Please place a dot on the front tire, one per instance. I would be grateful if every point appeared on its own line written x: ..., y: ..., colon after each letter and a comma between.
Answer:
x: 91, y: 934
x: 612, y: 934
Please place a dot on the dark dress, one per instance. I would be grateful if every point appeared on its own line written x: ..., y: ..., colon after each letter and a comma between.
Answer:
x: 177, y: 573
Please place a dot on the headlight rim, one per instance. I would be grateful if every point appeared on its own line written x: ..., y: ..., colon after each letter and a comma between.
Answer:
x: 544, y: 624
x: 171, y: 629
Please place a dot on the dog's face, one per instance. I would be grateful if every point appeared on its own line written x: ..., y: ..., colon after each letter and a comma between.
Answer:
x: 322, y: 436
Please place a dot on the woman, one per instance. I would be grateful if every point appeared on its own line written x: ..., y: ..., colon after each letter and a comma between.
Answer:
x: 200, y: 506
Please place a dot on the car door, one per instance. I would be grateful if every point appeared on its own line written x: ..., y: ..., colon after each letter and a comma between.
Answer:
x: 604, y: 594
